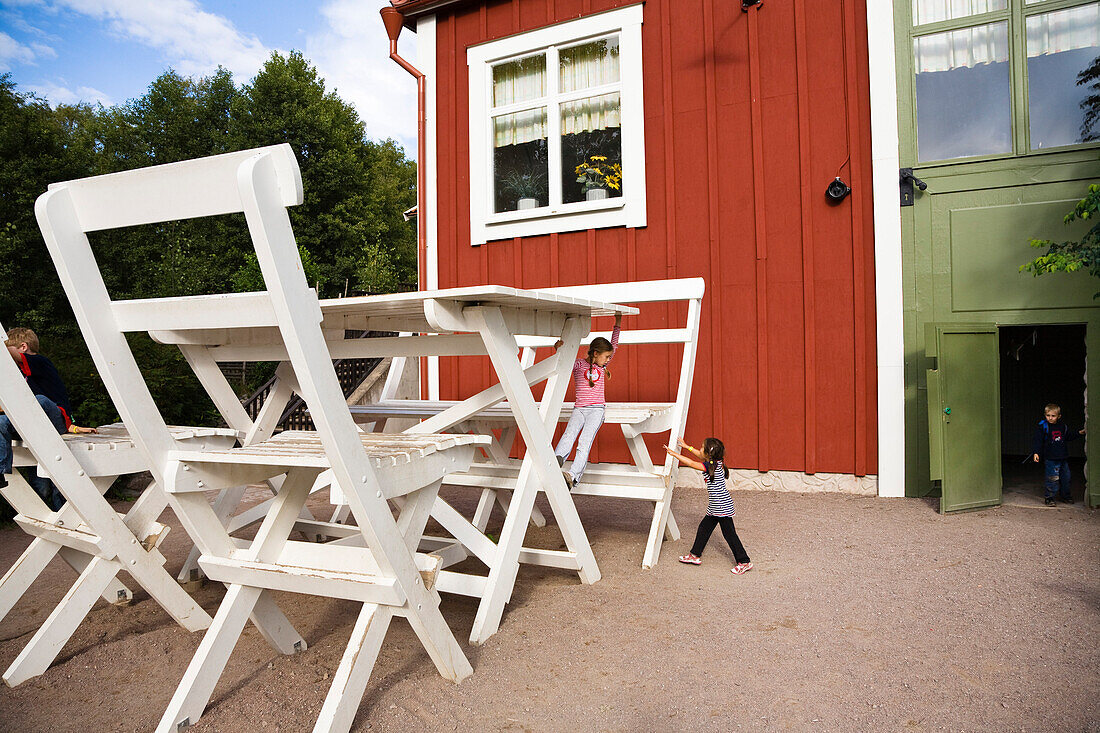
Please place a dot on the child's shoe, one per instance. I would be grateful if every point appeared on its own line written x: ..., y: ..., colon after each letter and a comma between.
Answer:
x: 561, y: 461
x: 570, y: 482
x: 1066, y: 499
x: 741, y: 568
x: 691, y: 559
x: 1049, y: 501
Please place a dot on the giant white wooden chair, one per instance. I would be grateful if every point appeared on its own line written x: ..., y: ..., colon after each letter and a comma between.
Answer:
x: 86, y: 532
x: 380, y: 567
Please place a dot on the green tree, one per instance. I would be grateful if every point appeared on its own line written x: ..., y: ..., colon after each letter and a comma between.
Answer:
x: 1071, y: 256
x: 355, y: 189
x: 350, y: 229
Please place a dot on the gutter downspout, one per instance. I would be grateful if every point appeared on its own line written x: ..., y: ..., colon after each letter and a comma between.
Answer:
x: 394, y: 21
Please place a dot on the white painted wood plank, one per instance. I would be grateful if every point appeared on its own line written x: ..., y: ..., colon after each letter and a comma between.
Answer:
x: 351, y: 677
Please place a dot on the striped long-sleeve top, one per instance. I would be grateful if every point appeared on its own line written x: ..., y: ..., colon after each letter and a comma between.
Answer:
x: 591, y: 394
x: 719, y: 501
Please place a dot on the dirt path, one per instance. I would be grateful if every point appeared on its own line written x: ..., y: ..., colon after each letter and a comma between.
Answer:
x: 862, y: 614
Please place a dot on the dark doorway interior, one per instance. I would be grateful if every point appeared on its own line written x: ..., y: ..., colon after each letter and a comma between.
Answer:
x: 1040, y: 365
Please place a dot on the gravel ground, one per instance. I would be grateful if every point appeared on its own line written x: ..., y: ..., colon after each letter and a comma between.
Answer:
x: 861, y: 614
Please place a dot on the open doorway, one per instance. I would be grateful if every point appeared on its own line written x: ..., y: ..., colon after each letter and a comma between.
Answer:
x: 1040, y: 365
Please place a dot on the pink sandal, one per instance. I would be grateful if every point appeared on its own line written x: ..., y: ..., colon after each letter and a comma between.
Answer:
x: 741, y: 568
x: 691, y: 559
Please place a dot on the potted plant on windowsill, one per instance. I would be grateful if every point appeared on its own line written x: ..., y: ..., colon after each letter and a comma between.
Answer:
x: 528, y: 188
x: 597, y: 176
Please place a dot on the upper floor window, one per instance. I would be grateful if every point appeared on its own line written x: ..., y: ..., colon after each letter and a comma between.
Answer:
x: 1002, y: 77
x: 556, y: 138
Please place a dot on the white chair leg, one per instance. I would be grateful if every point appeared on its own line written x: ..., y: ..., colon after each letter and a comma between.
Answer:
x: 672, y: 530
x: 164, y: 590
x: 350, y: 681
x: 24, y: 572
x: 114, y: 593
x: 224, y: 506
x: 206, y: 666
x: 275, y: 628
x: 47, y: 642
x: 661, y: 513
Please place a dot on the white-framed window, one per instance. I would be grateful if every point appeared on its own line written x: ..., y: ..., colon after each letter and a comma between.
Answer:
x: 556, y: 128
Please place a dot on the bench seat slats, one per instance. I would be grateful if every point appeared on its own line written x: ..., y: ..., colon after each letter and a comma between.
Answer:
x: 304, y: 448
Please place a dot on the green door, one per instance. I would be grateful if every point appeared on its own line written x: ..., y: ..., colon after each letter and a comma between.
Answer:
x: 964, y: 422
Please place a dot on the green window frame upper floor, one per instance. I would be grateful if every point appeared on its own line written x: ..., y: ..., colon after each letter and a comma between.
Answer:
x: 995, y: 79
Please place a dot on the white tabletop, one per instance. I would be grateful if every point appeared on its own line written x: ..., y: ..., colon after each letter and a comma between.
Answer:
x: 411, y: 305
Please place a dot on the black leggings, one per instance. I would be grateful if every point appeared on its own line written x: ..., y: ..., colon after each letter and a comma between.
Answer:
x: 703, y: 536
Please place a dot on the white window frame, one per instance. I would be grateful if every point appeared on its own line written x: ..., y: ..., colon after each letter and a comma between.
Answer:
x: 627, y: 210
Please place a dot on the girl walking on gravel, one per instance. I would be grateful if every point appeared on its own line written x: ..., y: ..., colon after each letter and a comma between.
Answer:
x: 720, y: 509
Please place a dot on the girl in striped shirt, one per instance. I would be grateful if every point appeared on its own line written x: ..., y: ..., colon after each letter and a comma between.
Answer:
x: 589, y: 377
x: 719, y: 504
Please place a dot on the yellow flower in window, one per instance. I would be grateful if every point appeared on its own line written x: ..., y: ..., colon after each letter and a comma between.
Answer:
x: 596, y: 172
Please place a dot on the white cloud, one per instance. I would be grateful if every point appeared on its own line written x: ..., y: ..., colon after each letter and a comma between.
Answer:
x: 351, y: 52
x: 191, y: 40
x: 12, y: 51
x: 60, y: 94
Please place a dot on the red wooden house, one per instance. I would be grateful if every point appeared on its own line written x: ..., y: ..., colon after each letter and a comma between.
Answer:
x: 728, y: 123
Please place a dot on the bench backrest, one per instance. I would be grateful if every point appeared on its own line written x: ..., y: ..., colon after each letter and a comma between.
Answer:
x: 655, y: 291
x: 259, y: 183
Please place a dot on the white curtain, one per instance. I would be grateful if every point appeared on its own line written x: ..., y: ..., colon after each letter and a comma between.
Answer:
x: 966, y: 48
x: 591, y: 113
x: 589, y: 65
x: 518, y: 81
x: 521, y: 127
x: 1063, y: 30
x: 932, y: 11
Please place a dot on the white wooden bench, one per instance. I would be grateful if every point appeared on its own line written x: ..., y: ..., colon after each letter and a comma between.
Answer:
x: 377, y: 563
x: 643, y: 479
x: 93, y: 539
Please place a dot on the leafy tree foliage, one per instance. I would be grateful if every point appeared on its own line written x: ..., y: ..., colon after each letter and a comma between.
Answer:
x: 350, y: 230
x: 1071, y: 256
x: 1089, y: 77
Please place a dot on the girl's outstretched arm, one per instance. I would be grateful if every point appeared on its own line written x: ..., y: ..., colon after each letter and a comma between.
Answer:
x: 683, y: 444
x: 684, y: 460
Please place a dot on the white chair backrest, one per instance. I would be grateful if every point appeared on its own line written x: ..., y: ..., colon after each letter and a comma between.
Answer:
x: 205, y: 187
x: 654, y: 291
x: 261, y: 183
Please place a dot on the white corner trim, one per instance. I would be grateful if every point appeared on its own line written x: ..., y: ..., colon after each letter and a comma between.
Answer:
x: 427, y: 60
x: 630, y: 210
x: 890, y: 323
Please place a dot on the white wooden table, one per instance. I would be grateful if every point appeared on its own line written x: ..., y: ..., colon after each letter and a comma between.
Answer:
x: 472, y: 321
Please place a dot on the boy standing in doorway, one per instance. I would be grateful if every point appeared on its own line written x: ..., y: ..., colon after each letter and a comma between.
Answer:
x: 1051, y: 445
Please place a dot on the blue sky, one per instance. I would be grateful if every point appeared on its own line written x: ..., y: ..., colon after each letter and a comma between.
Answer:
x: 109, y: 51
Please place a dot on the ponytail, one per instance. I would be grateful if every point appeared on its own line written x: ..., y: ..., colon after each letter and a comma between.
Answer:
x: 714, y: 452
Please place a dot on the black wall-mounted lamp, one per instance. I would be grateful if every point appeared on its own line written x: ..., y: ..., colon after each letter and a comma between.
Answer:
x: 746, y: 4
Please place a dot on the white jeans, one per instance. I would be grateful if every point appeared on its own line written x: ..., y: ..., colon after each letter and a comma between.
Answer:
x: 584, y: 421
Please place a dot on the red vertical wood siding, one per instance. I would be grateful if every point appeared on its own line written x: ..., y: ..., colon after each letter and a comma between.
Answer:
x: 748, y: 117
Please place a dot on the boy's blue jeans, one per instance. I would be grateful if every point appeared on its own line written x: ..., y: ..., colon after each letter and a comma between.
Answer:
x: 1057, y: 478
x: 42, y: 486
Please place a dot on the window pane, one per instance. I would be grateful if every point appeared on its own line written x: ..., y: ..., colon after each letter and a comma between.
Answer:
x: 520, y: 161
x: 591, y: 149
x: 963, y: 98
x: 589, y: 64
x: 519, y: 80
x: 1063, y: 62
x: 931, y: 11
